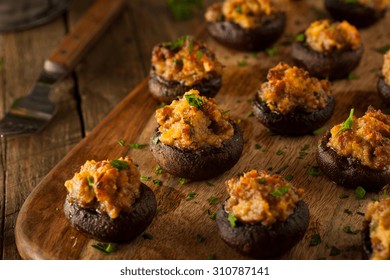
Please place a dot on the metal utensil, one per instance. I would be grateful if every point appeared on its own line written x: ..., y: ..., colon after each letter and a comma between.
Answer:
x: 33, y: 112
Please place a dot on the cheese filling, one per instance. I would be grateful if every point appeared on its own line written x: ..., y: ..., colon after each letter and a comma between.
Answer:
x: 261, y: 197
x: 110, y: 187
x: 291, y: 88
x: 193, y: 122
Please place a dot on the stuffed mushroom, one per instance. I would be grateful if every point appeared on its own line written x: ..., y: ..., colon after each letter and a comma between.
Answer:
x: 361, y: 13
x: 106, y: 201
x: 376, y: 231
x: 357, y: 151
x: 185, y: 64
x: 247, y: 25
x: 264, y: 215
x: 383, y: 84
x: 195, y: 139
x: 328, y: 49
x: 291, y: 102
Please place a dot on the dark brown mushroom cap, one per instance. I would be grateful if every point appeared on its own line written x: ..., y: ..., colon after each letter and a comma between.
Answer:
x: 262, y: 242
x: 366, y: 241
x: 249, y: 39
x: 349, y: 172
x: 355, y: 13
x: 199, y: 164
x: 383, y: 90
x: 124, y: 228
x: 293, y: 123
x: 166, y: 91
x: 332, y: 65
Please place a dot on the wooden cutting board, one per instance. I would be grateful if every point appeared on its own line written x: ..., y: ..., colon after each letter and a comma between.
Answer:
x: 42, y: 232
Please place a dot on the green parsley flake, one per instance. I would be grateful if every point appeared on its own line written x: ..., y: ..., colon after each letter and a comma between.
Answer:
x: 343, y: 195
x: 158, y: 170
x: 334, y: 251
x: 257, y: 147
x: 383, y: 49
x: 199, y: 54
x: 121, y: 142
x: 191, y: 195
x: 281, y: 191
x: 250, y: 114
x: 213, y: 200
x: 194, y: 101
x: 232, y: 220
x: 261, y: 181
x: 352, y: 76
x: 289, y: 177
x: 156, y: 139
x: 211, y: 257
x: 314, y: 171
x: 360, y: 193
x: 300, y: 37
x: 138, y: 146
x: 157, y: 182
x: 182, y: 181
x: 191, y: 46
x: 106, y: 248
x: 272, y: 51
x: 212, y: 215
x: 145, y: 178
x: 182, y: 10
x: 347, y: 211
x: 147, y: 235
x: 90, y: 182
x: 315, y: 240
x: 242, y: 63
x: 200, y: 238
x: 239, y: 9
x: 318, y: 131
x: 279, y: 152
x: 173, y: 46
x: 119, y: 164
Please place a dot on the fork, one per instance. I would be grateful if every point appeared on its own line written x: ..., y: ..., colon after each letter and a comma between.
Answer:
x: 30, y: 114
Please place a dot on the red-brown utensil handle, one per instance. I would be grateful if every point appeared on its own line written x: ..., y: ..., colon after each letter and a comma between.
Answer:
x: 91, y: 25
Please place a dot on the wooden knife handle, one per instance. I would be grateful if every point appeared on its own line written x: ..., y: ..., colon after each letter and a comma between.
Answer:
x: 91, y: 25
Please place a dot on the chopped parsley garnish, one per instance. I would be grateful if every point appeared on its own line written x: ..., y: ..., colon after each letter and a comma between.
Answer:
x: 352, y: 76
x: 106, y: 248
x: 383, y: 49
x: 242, y: 63
x: 119, y: 164
x: 250, y: 114
x: 347, y: 211
x: 200, y: 238
x: 348, y: 229
x: 157, y: 182
x: 257, y: 147
x: 225, y: 112
x: 121, y: 142
x: 147, y: 235
x: 314, y: 171
x: 156, y: 139
x: 315, y: 239
x: 289, y: 177
x: 272, y: 51
x: 90, y: 182
x: 191, y: 46
x: 279, y: 152
x: 300, y: 37
x: 158, y: 170
x: 261, y: 181
x: 213, y: 200
x: 318, y: 131
x: 176, y: 44
x: 343, y: 195
x: 145, y: 178
x: 232, y: 220
x: 190, y: 196
x: 199, y: 54
x: 360, y: 193
x: 138, y: 146
x: 182, y: 181
x: 212, y: 215
x: 281, y: 191
x: 194, y: 101
x: 182, y: 10
x: 211, y: 257
x: 177, y: 62
x: 239, y: 9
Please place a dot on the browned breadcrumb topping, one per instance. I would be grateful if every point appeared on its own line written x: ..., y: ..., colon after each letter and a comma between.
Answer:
x: 368, y: 140
x: 378, y: 216
x: 327, y: 36
x: 189, y: 127
x: 105, y: 188
x: 187, y: 61
x: 258, y: 196
x: 377, y: 5
x: 291, y: 88
x: 386, y: 68
x: 246, y: 13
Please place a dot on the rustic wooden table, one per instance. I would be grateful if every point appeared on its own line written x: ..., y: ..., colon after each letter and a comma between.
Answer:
x: 118, y: 62
x: 114, y: 67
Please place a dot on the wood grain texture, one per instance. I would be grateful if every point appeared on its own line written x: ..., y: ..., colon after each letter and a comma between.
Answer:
x: 42, y: 232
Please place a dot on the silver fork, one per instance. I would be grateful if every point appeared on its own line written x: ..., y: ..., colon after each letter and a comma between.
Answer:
x: 33, y: 112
